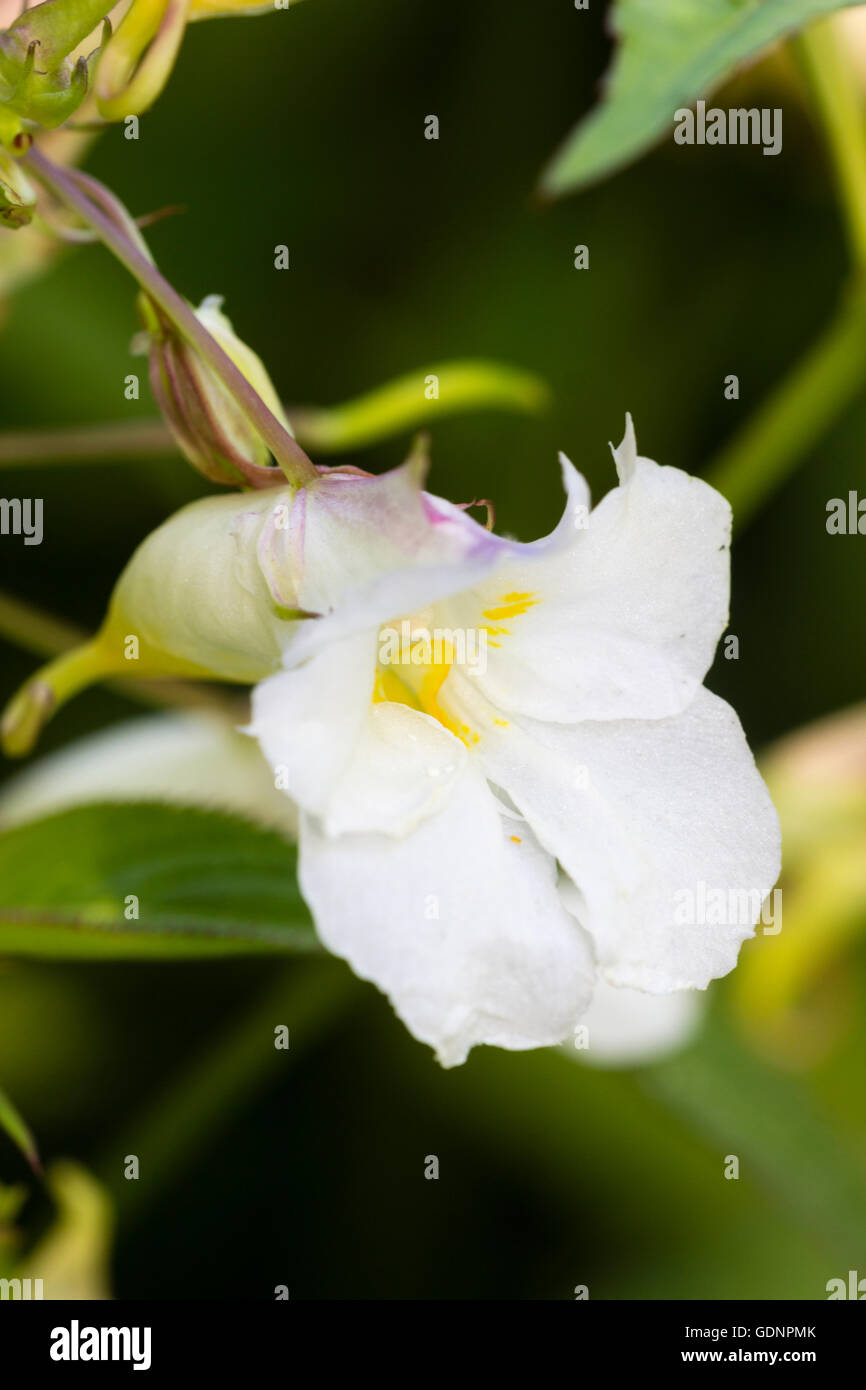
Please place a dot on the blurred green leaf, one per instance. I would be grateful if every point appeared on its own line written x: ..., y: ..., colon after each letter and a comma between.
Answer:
x: 18, y: 1130
x: 203, y: 884
x: 670, y: 53
x: 775, y: 1126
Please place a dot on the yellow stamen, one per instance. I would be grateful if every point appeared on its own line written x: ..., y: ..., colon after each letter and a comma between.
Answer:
x: 512, y: 606
x: 419, y: 687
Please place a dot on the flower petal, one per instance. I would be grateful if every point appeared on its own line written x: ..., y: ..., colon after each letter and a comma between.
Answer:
x: 618, y: 615
x: 641, y: 814
x: 628, y: 1028
x: 362, y: 550
x: 403, y: 768
x: 459, y: 923
x: 308, y: 720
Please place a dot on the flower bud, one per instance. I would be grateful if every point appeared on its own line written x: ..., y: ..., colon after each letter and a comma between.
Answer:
x: 139, y: 57
x: 196, y: 597
x: 224, y: 587
x: 39, y: 80
x: 209, y: 426
x: 17, y: 194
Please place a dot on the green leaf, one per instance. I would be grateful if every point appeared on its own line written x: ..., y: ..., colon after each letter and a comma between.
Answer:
x: 203, y: 883
x: 670, y: 53
x: 19, y: 1132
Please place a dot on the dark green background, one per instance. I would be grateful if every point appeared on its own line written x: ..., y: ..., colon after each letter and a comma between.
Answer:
x: 306, y: 128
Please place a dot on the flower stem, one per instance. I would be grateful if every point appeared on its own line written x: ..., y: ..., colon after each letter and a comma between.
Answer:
x: 771, y: 444
x: 54, y: 684
x: 837, y: 99
x: 38, y: 632
x: 291, y: 458
x: 112, y: 443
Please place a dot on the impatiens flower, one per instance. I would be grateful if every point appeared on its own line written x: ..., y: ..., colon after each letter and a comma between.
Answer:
x: 445, y: 805
x: 196, y: 758
x: 512, y: 783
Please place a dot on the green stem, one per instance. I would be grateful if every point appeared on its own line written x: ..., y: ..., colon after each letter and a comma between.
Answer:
x: 34, y: 631
x: 367, y: 419
x: 55, y: 683
x: 771, y: 444
x: 291, y: 458
x: 769, y: 447
x: 837, y: 98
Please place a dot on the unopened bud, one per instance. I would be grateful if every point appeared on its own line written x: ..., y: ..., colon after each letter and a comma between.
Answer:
x: 211, y: 430
x: 17, y: 194
x: 41, y: 81
x: 139, y: 58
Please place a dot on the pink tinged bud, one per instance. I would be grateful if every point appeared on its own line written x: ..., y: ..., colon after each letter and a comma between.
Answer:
x: 211, y: 430
x: 17, y: 195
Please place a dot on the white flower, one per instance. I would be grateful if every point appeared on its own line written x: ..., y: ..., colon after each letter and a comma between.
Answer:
x: 486, y: 842
x: 488, y: 829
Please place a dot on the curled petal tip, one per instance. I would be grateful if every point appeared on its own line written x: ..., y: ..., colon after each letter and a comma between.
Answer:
x: 418, y: 461
x: 625, y: 454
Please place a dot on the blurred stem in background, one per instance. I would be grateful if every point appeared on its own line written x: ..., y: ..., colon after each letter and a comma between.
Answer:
x: 765, y: 452
x: 403, y: 404
x: 837, y: 96
x: 762, y: 455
